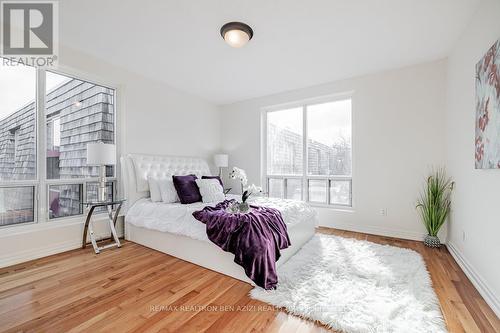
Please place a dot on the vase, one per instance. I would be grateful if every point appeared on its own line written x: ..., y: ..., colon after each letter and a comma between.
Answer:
x: 244, y: 207
x: 432, y: 241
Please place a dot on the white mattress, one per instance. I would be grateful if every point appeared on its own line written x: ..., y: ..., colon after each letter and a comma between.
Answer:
x: 177, y: 218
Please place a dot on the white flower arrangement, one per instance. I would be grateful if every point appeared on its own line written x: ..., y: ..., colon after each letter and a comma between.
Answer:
x: 239, y: 174
x: 253, y: 188
x: 247, y: 191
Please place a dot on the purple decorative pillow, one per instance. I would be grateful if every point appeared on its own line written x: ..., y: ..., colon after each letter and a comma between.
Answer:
x: 186, y: 188
x: 214, y: 177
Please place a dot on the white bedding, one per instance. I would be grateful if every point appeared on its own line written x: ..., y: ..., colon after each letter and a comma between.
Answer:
x: 177, y: 218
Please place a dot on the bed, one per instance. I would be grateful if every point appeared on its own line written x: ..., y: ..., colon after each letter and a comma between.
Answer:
x: 171, y: 228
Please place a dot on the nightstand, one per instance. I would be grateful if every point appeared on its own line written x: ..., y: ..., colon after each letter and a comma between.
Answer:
x: 112, y: 217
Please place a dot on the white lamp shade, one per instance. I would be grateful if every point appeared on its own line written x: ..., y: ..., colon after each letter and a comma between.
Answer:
x: 101, y: 154
x: 221, y: 160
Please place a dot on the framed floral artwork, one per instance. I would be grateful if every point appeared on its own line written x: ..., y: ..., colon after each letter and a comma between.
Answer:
x: 487, y: 154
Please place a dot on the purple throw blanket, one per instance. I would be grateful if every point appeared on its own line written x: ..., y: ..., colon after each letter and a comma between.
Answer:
x: 255, y: 238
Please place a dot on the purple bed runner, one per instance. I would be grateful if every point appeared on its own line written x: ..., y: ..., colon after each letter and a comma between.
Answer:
x: 255, y: 238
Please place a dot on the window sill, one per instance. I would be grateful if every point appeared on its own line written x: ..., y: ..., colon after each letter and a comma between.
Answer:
x: 342, y: 209
x: 24, y: 228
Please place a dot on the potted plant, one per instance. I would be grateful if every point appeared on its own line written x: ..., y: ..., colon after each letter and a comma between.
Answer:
x: 434, y: 205
x: 247, y: 191
x: 240, y: 175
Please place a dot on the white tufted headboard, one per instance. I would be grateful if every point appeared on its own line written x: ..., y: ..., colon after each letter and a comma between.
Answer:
x: 136, y: 169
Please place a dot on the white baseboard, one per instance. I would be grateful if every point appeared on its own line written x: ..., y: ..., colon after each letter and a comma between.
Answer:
x: 375, y: 230
x: 476, y: 279
x: 40, y: 252
x: 18, y: 257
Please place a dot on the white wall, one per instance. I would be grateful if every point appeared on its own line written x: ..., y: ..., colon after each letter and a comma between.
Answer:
x: 398, y: 134
x: 476, y: 199
x: 153, y: 118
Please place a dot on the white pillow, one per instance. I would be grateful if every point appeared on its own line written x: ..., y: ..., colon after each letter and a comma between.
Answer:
x: 210, y: 190
x: 154, y: 189
x: 168, y: 191
x: 162, y: 190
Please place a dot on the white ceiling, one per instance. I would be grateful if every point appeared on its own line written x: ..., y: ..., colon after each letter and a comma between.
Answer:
x: 297, y: 43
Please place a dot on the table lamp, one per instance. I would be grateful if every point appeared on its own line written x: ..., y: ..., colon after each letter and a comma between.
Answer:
x: 221, y: 161
x: 101, y: 154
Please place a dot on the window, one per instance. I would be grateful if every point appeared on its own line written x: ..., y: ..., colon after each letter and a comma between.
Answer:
x: 71, y: 113
x: 17, y: 205
x: 317, y: 136
x: 18, y: 151
x: 64, y: 200
x: 77, y: 112
x: 285, y: 142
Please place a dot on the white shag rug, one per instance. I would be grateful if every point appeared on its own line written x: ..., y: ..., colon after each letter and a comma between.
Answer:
x: 357, y: 286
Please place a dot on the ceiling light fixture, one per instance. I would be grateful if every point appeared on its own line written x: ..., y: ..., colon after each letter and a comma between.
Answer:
x: 236, y: 34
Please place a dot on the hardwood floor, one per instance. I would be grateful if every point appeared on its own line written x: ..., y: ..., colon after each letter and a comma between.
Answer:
x: 136, y: 289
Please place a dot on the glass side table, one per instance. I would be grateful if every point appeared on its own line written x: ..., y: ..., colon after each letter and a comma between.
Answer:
x: 112, y: 216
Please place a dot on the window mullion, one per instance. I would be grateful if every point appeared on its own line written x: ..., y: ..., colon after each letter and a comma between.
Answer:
x: 305, y: 171
x: 40, y: 143
x: 84, y: 188
x: 267, y: 186
x: 328, y: 184
x: 264, y: 175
